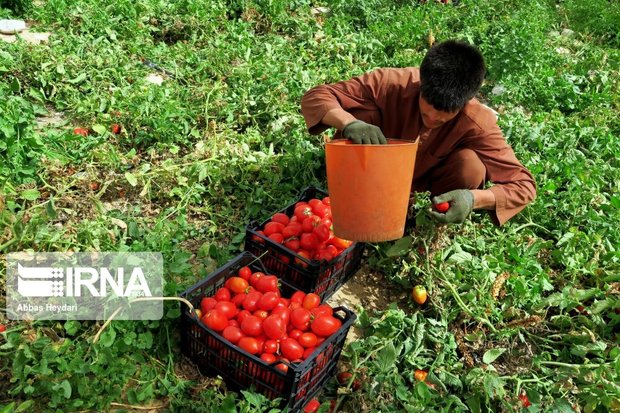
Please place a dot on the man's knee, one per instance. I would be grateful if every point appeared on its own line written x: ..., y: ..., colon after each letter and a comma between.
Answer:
x: 472, y: 169
x: 463, y: 169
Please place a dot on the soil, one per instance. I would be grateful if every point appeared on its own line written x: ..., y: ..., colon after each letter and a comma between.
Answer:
x: 369, y: 290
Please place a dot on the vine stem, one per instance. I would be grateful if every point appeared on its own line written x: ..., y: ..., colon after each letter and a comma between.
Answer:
x: 464, y: 307
x: 118, y: 310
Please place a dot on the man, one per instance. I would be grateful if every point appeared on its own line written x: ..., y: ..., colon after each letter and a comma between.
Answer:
x: 461, y: 147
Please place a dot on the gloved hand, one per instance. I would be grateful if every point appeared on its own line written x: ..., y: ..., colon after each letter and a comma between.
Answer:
x: 362, y: 132
x: 461, y: 204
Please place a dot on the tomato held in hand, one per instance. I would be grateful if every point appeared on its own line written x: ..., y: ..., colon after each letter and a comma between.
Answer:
x: 442, y: 207
x: 419, y: 294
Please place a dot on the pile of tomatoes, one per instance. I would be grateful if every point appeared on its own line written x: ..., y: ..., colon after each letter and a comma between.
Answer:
x: 308, y: 232
x: 250, y: 312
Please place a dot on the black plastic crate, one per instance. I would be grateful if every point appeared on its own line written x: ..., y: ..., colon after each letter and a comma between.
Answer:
x: 310, y: 276
x: 214, y: 355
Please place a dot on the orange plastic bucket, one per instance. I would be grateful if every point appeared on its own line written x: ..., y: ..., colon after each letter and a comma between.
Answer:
x: 369, y: 188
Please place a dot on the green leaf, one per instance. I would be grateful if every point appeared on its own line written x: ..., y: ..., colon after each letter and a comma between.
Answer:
x: 65, y: 386
x: 386, y: 358
x: 50, y: 210
x: 131, y: 178
x: 491, y: 355
x: 100, y: 129
x: 10, y: 408
x: 72, y: 327
x: 107, y: 337
x: 80, y: 78
x: 30, y: 194
x: 400, y: 247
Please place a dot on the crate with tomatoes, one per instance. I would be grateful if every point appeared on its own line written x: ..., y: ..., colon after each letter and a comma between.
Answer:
x: 299, y: 244
x: 253, y: 328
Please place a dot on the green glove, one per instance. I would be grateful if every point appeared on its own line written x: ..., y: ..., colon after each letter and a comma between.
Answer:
x: 362, y: 132
x: 461, y: 204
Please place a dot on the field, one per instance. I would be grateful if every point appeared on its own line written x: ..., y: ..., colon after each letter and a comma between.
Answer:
x: 524, y: 317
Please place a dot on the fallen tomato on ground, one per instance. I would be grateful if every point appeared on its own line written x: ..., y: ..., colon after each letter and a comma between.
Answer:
x: 81, y: 131
x: 419, y: 294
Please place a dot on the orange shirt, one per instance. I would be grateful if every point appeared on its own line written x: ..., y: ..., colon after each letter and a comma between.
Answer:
x: 389, y: 98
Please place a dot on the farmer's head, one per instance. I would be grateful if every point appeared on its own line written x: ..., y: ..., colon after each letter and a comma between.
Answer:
x: 451, y: 74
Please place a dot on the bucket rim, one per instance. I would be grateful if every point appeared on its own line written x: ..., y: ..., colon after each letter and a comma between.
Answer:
x: 391, y: 142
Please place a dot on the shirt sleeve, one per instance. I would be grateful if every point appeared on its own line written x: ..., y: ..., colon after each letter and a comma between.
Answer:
x: 513, y: 185
x: 359, y: 94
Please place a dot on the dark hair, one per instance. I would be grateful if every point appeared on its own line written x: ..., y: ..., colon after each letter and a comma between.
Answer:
x: 451, y: 74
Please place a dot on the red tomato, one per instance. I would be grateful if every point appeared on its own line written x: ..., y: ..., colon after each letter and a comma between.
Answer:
x: 268, y: 358
x: 267, y: 283
x: 525, y: 401
x: 227, y: 308
x: 314, y: 201
x: 223, y: 294
x: 233, y: 323
x: 277, y: 238
x: 344, y: 378
x: 304, y: 254
x: 116, y: 128
x: 273, y: 228
x: 238, y: 299
x: 308, y: 352
x: 300, y: 203
x: 251, y: 301
x: 258, y: 239
x: 245, y: 273
x: 294, y: 306
x: 232, y: 334
x: 308, y: 241
x: 242, y: 316
x: 215, y: 320
x: 249, y: 344
x: 281, y: 366
x: 322, y: 232
x: 292, y: 244
x: 310, y: 223
x: 281, y: 218
x: 207, y: 303
x: 293, y: 229
x: 252, y: 325
x: 303, y: 212
x: 311, y: 301
x: 442, y: 207
x: 268, y: 301
x: 255, y: 277
x: 321, y: 210
x: 312, y: 406
x: 291, y: 349
x: 238, y: 285
x: 323, y: 255
x: 271, y: 347
x: 81, y: 131
x: 420, y: 375
x: 300, y: 319
x: 298, y: 297
x: 307, y: 340
x: 274, y: 327
x: 323, y: 309
x: 262, y: 314
x: 283, y: 312
x: 340, y: 243
x: 327, y: 201
x: 295, y: 333
x: 325, y: 326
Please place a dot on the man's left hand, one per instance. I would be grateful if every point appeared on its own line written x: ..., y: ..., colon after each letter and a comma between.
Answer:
x: 461, y: 204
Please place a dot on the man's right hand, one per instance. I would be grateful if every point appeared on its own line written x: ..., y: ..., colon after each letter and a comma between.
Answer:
x: 362, y: 132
